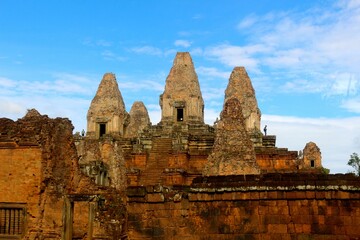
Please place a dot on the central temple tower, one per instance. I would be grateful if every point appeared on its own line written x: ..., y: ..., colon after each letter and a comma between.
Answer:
x: 182, y: 101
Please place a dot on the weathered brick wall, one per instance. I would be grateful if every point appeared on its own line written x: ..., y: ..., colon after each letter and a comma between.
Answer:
x: 20, y: 174
x: 271, y: 159
x: 20, y: 178
x: 271, y: 207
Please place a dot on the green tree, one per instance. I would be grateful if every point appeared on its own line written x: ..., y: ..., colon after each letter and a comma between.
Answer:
x: 354, y: 161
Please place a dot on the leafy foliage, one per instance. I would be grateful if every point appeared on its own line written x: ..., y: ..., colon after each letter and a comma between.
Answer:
x: 325, y: 171
x: 354, y: 162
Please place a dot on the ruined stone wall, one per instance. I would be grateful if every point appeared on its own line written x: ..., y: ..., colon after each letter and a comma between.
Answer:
x: 38, y: 166
x: 277, y: 160
x: 20, y: 178
x: 39, y: 171
x: 248, y: 207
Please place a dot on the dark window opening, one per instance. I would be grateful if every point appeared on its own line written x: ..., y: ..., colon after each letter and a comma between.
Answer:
x: 11, y: 221
x: 312, y: 163
x: 180, y: 114
x: 102, y: 128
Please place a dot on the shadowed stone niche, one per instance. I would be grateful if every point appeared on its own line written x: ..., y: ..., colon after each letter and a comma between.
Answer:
x: 97, y: 171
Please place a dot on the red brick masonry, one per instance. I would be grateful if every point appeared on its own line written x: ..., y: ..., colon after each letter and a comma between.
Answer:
x: 271, y: 206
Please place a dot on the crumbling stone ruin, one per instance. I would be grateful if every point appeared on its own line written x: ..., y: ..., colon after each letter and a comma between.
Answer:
x: 233, y: 151
x: 178, y: 179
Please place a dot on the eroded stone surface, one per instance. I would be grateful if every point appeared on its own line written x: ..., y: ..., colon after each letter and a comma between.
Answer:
x: 233, y: 152
x: 182, y: 91
x: 241, y: 88
x: 139, y: 119
x: 39, y: 167
x: 107, y: 107
x: 103, y: 161
x: 46, y: 168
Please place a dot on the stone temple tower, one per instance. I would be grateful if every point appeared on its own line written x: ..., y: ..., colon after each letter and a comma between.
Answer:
x: 182, y: 101
x: 107, y: 114
x: 240, y: 87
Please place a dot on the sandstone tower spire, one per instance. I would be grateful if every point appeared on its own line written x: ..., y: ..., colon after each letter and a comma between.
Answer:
x: 138, y: 120
x: 182, y: 101
x: 107, y: 114
x: 241, y: 88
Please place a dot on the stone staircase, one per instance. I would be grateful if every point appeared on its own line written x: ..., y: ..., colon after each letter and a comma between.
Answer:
x: 157, y: 162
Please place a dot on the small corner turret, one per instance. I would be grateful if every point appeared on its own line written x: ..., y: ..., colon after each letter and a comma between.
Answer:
x: 311, y: 157
x: 107, y: 114
x: 181, y: 101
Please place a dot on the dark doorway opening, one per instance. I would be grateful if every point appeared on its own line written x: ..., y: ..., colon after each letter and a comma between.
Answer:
x: 102, y: 129
x: 180, y: 114
x: 312, y: 163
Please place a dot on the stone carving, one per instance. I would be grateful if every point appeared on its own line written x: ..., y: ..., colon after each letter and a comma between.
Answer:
x: 182, y: 100
x: 139, y: 119
x: 240, y: 87
x: 106, y: 152
x: 233, y: 152
x: 107, y: 114
x: 311, y: 156
x: 96, y: 170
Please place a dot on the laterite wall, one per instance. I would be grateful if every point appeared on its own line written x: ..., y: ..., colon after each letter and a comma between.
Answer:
x: 248, y: 207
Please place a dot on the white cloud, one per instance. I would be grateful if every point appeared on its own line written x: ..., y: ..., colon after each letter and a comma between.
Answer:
x: 103, y: 43
x: 196, y: 52
x: 214, y: 93
x: 344, y: 84
x: 247, y: 22
x: 57, y: 84
x: 11, y: 108
x: 182, y: 43
x: 147, y: 50
x: 352, y: 105
x: 232, y: 56
x: 212, y: 72
x: 63, y: 95
x: 6, y: 82
x: 93, y: 43
x: 141, y: 85
x: 318, y: 48
x: 109, y: 55
x: 170, y: 52
x: 211, y: 115
x: 154, y: 113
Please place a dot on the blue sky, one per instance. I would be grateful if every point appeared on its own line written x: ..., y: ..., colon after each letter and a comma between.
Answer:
x: 303, y: 58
